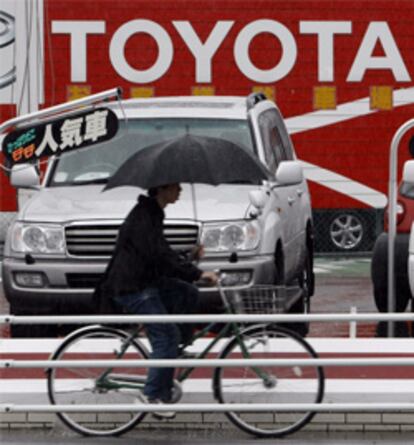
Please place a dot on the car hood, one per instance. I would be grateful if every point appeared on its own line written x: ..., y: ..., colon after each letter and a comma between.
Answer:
x: 79, y: 203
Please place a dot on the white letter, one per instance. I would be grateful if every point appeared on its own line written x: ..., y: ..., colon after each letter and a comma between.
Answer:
x: 325, y: 32
x: 117, y: 54
x: 364, y: 60
x: 78, y: 31
x: 203, y: 53
x: 241, y: 51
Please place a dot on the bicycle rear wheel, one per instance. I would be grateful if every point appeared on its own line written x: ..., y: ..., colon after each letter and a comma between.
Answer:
x: 269, y: 384
x: 83, y: 386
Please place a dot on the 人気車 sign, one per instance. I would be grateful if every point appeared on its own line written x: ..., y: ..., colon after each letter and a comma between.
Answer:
x: 61, y: 135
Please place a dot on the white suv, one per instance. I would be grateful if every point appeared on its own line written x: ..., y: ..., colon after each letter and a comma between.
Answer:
x: 63, y: 236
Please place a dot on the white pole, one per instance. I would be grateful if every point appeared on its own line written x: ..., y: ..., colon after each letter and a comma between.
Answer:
x: 352, y: 324
x: 224, y: 318
x: 207, y: 363
x: 193, y: 199
x: 210, y: 407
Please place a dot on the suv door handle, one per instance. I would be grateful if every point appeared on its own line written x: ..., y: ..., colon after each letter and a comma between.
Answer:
x: 299, y: 192
x: 290, y: 200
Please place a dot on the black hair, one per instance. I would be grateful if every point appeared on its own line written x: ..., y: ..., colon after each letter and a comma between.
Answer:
x: 152, y: 192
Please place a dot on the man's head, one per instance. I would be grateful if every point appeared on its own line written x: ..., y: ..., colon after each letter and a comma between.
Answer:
x: 165, y: 194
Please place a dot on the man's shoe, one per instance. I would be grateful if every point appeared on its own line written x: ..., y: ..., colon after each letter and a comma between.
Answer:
x: 187, y: 354
x: 162, y: 415
x: 183, y: 353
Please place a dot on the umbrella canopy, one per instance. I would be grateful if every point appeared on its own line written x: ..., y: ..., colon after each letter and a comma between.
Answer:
x: 189, y: 159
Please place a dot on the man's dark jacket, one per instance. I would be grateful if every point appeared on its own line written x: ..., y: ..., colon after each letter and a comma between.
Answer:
x: 141, y: 257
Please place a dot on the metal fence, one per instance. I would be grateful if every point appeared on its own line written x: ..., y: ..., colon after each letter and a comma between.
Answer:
x: 208, y: 362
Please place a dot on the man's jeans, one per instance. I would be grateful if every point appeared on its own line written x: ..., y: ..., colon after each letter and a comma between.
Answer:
x: 171, y: 296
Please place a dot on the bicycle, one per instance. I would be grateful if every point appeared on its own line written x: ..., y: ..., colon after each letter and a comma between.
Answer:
x: 247, y: 384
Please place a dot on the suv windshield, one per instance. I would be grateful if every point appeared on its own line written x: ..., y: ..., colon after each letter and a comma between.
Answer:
x: 97, y: 163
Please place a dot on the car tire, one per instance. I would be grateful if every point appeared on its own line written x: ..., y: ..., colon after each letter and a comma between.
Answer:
x: 401, y: 329
x: 31, y: 330
x: 307, y: 275
x: 346, y: 231
x: 379, y: 273
x: 301, y: 306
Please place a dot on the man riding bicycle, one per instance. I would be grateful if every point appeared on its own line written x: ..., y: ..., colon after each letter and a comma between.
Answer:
x: 146, y: 276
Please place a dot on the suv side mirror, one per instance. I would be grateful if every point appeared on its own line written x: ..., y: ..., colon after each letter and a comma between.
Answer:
x: 289, y: 173
x: 258, y: 198
x: 24, y: 176
x: 408, y: 172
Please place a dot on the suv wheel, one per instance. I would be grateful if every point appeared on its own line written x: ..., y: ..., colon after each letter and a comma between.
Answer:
x: 31, y: 330
x: 279, y: 278
x: 346, y: 231
x: 379, y: 273
x: 307, y: 276
x: 302, y: 306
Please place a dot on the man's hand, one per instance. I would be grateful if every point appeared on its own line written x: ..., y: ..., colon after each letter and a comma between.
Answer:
x: 210, y: 277
x: 197, y: 252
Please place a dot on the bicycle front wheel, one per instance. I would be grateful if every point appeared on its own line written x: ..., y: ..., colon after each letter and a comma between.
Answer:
x: 97, y: 386
x: 269, y: 384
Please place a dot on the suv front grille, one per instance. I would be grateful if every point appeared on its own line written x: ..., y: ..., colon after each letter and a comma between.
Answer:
x: 99, y: 240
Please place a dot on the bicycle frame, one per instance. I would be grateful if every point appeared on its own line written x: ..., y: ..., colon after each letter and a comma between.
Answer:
x: 108, y: 381
x: 118, y: 381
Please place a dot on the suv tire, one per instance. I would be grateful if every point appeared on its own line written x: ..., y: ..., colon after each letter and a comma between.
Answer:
x: 302, y: 306
x: 31, y: 330
x: 379, y: 273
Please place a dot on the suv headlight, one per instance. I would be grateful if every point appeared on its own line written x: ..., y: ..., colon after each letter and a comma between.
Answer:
x: 38, y: 238
x: 230, y: 236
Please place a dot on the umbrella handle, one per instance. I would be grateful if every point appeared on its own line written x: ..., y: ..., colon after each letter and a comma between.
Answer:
x: 193, y: 199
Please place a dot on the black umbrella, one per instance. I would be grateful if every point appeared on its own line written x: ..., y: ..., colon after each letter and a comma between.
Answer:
x: 189, y: 159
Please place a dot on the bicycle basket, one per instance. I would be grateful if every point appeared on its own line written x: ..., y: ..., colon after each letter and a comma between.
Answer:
x: 260, y: 299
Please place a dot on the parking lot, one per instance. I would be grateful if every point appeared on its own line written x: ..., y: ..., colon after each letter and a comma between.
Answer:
x: 342, y: 285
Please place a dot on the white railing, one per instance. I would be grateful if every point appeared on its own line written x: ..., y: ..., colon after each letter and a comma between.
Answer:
x: 219, y: 318
x: 213, y: 407
x: 208, y: 362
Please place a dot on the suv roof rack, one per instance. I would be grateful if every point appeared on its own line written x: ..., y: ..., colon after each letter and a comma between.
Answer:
x: 254, y: 98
